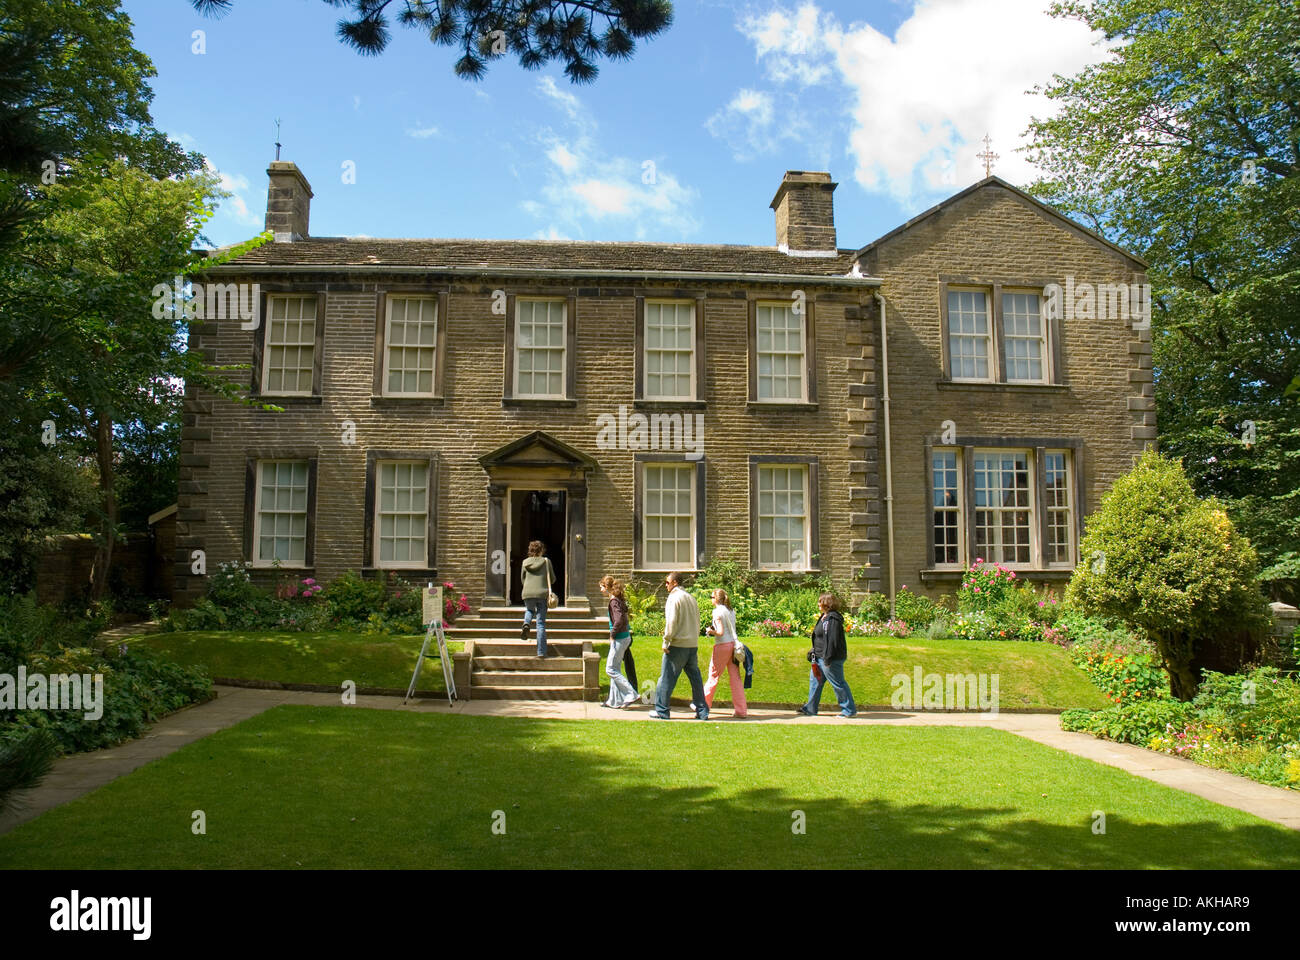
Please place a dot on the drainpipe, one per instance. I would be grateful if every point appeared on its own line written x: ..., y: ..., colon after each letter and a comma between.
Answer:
x: 889, y: 461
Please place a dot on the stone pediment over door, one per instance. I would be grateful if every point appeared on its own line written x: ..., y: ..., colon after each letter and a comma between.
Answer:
x: 535, y: 456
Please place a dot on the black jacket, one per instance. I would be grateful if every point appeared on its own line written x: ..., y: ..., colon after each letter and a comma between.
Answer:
x: 828, y: 638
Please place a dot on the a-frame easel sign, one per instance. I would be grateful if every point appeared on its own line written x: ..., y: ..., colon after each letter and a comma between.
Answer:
x: 432, y: 619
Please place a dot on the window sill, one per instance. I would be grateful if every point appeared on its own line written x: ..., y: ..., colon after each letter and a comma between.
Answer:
x: 955, y: 576
x: 780, y: 405
x: 985, y: 385
x: 288, y: 401
x: 396, y: 402
x: 406, y: 573
x: 535, y: 403
x: 282, y: 568
x: 670, y: 404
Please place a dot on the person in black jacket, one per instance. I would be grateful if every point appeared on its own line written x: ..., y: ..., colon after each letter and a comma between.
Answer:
x: 827, y: 656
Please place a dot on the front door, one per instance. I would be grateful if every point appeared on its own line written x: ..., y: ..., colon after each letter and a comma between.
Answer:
x: 536, y: 515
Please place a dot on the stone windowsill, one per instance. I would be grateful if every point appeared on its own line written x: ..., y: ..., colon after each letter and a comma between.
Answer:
x: 670, y: 404
x: 765, y: 405
x: 407, y: 402
x: 537, y: 403
x: 287, y: 401
x: 955, y: 576
x: 405, y: 573
x: 977, y: 385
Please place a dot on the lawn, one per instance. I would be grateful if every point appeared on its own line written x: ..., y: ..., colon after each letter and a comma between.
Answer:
x: 339, y: 787
x: 326, y: 658
x: 1031, y: 675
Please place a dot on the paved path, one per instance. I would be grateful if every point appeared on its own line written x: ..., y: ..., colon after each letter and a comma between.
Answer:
x: 81, y: 773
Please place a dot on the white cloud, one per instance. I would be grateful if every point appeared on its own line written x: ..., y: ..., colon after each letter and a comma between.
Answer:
x: 356, y: 101
x: 920, y: 102
x: 421, y: 133
x: 745, y: 123
x: 582, y: 183
x: 236, y: 205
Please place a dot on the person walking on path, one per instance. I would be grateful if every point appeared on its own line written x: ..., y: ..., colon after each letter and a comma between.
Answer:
x: 723, y: 630
x: 621, y: 693
x: 538, y: 577
x: 681, y: 640
x: 828, y: 653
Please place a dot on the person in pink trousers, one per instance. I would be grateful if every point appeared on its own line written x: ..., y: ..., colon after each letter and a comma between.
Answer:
x: 723, y: 630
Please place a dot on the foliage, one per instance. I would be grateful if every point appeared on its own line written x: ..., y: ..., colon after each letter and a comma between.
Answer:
x: 353, y: 598
x: 1169, y: 565
x: 774, y: 628
x: 536, y: 31
x: 1180, y: 146
x: 893, y: 627
x: 1123, y: 676
x: 26, y: 756
x: 1136, y: 722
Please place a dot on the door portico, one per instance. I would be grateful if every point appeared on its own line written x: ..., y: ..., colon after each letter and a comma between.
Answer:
x: 537, y: 462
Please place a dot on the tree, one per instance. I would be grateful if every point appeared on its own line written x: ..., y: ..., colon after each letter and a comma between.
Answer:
x: 1184, y: 146
x: 536, y: 31
x: 1171, y: 566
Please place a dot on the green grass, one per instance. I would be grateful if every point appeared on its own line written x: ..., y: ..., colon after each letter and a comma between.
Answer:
x: 326, y: 658
x: 336, y: 787
x: 1030, y: 675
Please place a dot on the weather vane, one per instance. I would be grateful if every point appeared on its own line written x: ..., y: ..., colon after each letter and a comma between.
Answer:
x: 988, y: 156
x: 277, y: 138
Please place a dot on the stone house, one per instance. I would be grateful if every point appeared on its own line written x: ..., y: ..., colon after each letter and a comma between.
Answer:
x: 642, y: 407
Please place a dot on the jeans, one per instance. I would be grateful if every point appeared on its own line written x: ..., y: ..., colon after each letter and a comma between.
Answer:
x: 621, y: 692
x: 832, y: 670
x: 676, y: 660
x: 536, y: 607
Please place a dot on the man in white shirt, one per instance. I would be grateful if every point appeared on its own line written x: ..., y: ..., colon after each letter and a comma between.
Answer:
x: 681, y: 643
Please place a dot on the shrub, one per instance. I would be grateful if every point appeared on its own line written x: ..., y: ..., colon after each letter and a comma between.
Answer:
x: 26, y: 756
x: 874, y: 606
x: 893, y: 627
x: 975, y: 625
x: 917, y: 609
x: 353, y: 598
x: 1171, y: 566
x: 1135, y: 722
x: 1123, y: 676
x: 774, y: 628
x: 1263, y: 705
x: 986, y: 587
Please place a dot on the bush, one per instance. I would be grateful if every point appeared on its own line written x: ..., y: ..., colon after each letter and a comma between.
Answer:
x: 893, y: 627
x: 353, y: 598
x: 1123, y: 675
x: 1135, y: 722
x: 1171, y: 566
x: 26, y: 756
x: 917, y: 609
x: 874, y: 607
x: 774, y: 628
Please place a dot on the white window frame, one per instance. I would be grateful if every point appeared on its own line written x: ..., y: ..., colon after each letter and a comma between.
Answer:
x: 268, y: 346
x: 421, y: 562
x: 257, y: 560
x: 1069, y: 509
x: 786, y: 305
x: 959, y: 509
x: 690, y: 468
x: 646, y: 351
x: 564, y: 350
x: 1043, y: 339
x: 389, y: 346
x: 1032, y: 508
x: 990, y: 335
x: 808, y: 520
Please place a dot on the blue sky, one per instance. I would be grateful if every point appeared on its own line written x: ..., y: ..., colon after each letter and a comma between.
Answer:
x: 891, y: 97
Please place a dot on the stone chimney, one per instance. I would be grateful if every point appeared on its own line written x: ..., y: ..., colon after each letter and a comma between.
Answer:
x: 288, y: 202
x: 805, y: 215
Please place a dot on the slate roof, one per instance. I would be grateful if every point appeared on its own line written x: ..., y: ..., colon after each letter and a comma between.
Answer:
x: 557, y: 255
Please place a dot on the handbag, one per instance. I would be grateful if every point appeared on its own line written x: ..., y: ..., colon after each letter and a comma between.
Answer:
x: 552, y: 601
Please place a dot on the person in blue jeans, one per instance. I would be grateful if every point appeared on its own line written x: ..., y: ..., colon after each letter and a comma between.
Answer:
x: 827, y: 656
x: 681, y: 642
x: 538, y: 575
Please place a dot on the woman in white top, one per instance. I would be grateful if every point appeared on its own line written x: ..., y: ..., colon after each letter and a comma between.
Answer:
x: 723, y: 629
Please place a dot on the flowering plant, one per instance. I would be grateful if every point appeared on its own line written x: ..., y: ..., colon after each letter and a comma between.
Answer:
x: 774, y: 628
x: 452, y: 608
x: 893, y: 627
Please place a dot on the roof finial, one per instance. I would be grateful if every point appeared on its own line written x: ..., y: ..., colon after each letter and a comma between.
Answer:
x: 277, y: 138
x: 988, y: 156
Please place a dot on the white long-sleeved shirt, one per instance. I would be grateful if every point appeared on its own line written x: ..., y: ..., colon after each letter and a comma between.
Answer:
x: 681, y: 619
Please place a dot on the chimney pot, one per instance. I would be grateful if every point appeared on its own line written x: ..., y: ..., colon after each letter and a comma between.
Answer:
x: 805, y: 212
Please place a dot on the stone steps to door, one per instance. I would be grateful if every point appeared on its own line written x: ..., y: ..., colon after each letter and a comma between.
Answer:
x: 526, y: 678
x: 526, y: 663
x: 528, y: 693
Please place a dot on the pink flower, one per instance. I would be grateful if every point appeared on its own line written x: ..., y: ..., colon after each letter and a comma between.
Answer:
x: 977, y: 589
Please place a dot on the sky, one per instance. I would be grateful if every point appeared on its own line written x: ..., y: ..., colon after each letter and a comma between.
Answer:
x: 686, y: 142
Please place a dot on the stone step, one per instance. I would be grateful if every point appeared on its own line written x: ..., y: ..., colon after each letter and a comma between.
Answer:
x: 527, y: 663
x: 524, y: 648
x: 527, y: 693
x: 517, y: 613
x: 511, y: 632
x: 526, y: 678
